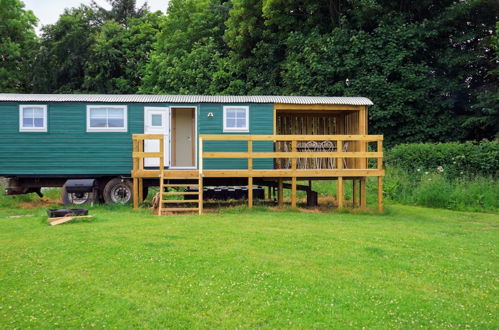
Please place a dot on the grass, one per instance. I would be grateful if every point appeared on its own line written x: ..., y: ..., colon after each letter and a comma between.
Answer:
x: 410, y: 267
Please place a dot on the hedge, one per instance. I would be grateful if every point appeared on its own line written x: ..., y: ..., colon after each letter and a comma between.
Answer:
x: 452, y: 159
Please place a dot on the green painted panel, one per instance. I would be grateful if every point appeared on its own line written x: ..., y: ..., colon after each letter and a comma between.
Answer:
x: 261, y: 121
x: 66, y: 148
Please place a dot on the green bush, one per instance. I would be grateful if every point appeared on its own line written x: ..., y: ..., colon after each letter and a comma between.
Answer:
x: 454, y: 160
x: 476, y: 193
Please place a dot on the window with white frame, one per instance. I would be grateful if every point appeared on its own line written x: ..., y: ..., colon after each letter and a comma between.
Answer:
x: 236, y: 119
x: 32, y: 118
x: 107, y: 118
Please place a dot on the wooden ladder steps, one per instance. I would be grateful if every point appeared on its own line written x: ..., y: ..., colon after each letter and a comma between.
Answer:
x: 176, y: 205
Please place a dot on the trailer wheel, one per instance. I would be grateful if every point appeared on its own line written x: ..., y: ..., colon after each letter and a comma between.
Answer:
x: 76, y: 198
x: 118, y: 191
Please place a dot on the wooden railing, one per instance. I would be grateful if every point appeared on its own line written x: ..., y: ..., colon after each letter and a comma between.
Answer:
x: 358, y: 142
x: 138, y: 153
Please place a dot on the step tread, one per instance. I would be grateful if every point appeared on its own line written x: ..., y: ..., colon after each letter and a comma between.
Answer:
x: 172, y: 201
x: 179, y: 209
x: 181, y: 193
x: 181, y: 185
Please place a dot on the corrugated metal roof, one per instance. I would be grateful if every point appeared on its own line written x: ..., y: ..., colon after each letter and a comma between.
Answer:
x: 138, y: 98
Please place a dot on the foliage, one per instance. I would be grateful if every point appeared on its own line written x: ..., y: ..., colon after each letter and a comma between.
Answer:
x: 437, y: 190
x: 121, y: 10
x: 452, y: 159
x: 188, y: 51
x: 64, y: 52
x: 17, y: 42
x: 254, y: 269
x: 119, y: 55
x: 429, y: 66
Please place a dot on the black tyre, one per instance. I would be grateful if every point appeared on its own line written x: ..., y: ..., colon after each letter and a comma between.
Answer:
x: 76, y: 198
x: 118, y: 191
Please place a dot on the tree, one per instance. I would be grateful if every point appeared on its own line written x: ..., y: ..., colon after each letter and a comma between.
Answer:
x: 64, y: 52
x: 17, y: 42
x: 189, y: 49
x: 119, y: 55
x: 121, y: 10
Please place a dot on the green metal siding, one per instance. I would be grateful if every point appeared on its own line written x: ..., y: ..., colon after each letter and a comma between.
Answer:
x: 261, y: 121
x: 66, y: 148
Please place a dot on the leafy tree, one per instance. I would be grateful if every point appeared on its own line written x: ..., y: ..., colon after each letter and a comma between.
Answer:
x: 64, y: 51
x: 17, y: 42
x: 119, y: 55
x: 189, y: 48
x: 121, y: 10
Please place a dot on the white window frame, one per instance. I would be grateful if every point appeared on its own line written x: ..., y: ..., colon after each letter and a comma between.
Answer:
x: 32, y: 129
x: 230, y: 129
x: 108, y: 129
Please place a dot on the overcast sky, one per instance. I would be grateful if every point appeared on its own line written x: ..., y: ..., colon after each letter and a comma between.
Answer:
x: 48, y: 11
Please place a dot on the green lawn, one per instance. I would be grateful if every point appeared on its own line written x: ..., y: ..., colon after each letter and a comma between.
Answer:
x: 410, y: 267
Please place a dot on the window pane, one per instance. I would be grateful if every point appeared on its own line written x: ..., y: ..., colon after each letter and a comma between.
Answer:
x: 38, y: 113
x: 156, y: 120
x: 98, y: 122
x: 27, y: 113
x: 231, y: 123
x: 241, y: 122
x: 240, y: 113
x: 27, y: 122
x: 116, y: 113
x: 231, y: 114
x: 114, y: 122
x: 98, y: 113
x: 38, y: 122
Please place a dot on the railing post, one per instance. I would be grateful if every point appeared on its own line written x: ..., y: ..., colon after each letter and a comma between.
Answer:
x: 380, y: 159
x: 162, y: 151
x: 200, y: 156
x: 293, y: 159
x: 250, y: 156
x: 339, y: 148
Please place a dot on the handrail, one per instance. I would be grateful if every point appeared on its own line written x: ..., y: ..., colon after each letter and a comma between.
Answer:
x: 363, y: 155
x: 240, y: 137
x: 138, y: 153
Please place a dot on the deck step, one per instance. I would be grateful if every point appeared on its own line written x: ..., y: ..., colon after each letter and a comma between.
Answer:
x: 178, y: 185
x: 169, y: 206
x: 179, y: 209
x: 181, y: 193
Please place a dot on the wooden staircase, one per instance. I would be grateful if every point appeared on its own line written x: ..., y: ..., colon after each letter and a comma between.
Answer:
x: 175, y: 199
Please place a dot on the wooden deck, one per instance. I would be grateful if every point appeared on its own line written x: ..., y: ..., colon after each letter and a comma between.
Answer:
x: 357, y: 168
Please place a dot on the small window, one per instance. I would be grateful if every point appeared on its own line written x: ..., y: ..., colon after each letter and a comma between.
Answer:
x: 32, y: 118
x: 106, y: 118
x: 236, y: 119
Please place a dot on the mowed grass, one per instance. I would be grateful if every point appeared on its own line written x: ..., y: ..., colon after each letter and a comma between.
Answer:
x: 410, y: 267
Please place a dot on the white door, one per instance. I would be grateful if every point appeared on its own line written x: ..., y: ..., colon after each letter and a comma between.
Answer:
x: 157, y: 121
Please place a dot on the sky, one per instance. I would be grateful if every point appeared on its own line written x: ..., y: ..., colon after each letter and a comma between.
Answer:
x: 48, y: 11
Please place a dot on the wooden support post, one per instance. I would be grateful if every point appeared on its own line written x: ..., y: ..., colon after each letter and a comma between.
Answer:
x: 250, y: 192
x: 141, y: 190
x: 135, y: 193
x: 363, y: 199
x: 293, y: 192
x: 380, y: 194
x: 340, y: 195
x: 200, y: 201
x: 280, y: 194
x: 354, y: 193
x: 269, y: 193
